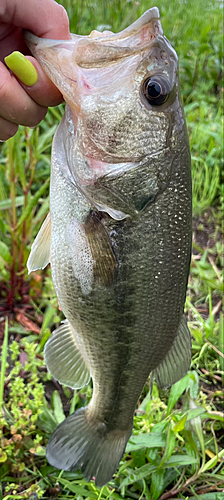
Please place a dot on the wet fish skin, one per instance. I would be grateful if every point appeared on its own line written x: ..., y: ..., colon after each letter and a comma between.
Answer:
x: 120, y: 235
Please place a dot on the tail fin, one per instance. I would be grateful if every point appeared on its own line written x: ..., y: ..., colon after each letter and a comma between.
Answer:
x: 85, y: 442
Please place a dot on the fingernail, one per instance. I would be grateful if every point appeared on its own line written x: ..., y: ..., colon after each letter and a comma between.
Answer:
x: 22, y: 68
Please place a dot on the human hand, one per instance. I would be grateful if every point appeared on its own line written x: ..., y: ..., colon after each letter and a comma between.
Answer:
x: 22, y: 104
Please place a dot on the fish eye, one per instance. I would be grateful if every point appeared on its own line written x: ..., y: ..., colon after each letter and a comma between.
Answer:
x: 156, y: 90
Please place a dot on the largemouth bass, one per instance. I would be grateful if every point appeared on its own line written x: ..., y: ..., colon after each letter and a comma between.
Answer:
x: 118, y: 236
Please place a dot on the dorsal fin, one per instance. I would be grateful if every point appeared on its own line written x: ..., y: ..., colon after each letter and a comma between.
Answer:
x: 178, y: 359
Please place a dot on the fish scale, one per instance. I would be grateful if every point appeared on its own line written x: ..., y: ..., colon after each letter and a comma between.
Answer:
x: 120, y: 224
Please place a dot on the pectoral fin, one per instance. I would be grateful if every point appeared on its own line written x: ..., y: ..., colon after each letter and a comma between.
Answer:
x: 101, y: 250
x: 64, y: 359
x: 177, y: 360
x: 39, y: 256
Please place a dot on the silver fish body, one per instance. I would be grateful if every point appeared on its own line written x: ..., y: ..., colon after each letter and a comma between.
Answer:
x: 120, y: 237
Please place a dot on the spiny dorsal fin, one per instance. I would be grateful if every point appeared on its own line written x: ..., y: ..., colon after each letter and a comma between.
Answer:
x: 39, y: 256
x: 63, y: 358
x: 177, y: 360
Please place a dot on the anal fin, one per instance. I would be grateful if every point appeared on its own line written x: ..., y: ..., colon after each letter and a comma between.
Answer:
x: 64, y: 359
x: 39, y: 256
x: 177, y: 361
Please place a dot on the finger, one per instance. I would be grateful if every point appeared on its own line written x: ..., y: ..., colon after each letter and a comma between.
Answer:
x: 43, y: 91
x: 16, y: 105
x: 45, y: 18
x: 7, y: 129
x: 11, y: 38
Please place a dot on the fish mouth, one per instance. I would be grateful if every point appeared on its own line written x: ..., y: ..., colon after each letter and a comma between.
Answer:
x: 65, y: 60
x: 135, y: 36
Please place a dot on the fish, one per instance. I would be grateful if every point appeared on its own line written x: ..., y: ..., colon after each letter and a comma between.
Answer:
x: 118, y: 235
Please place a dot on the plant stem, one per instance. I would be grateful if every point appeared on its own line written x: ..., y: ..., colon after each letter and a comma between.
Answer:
x: 3, y: 362
x: 13, y: 225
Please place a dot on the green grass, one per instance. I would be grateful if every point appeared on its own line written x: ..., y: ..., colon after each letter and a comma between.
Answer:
x: 176, y: 450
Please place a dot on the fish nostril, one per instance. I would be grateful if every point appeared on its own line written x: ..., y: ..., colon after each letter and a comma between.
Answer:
x: 163, y: 54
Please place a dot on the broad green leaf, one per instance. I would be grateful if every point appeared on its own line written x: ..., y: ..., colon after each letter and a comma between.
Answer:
x: 157, y: 482
x: 176, y: 391
x: 77, y: 489
x: 3, y: 456
x: 152, y: 440
x: 196, y: 425
x: 212, y: 462
x: 14, y: 497
x: 191, y: 443
x: 57, y: 407
x: 193, y: 384
x: 45, y: 139
x: 189, y: 382
x: 138, y: 474
x: 47, y: 469
x: 214, y: 415
x: 47, y: 420
x: 138, y: 457
x: 179, y: 460
x: 6, y: 204
x: 43, y: 341
x: 5, y: 253
x: 180, y: 424
x: 160, y: 427
x: 42, y: 212
x: 195, y: 412
x: 33, y: 202
x: 170, y: 444
x: 153, y: 455
x: 145, y: 401
x: 40, y: 451
x: 48, y: 315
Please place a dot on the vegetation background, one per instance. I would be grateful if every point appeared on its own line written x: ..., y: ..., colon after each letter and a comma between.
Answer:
x: 176, y: 450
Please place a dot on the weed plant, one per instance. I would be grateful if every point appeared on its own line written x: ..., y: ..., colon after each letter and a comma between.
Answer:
x: 176, y: 449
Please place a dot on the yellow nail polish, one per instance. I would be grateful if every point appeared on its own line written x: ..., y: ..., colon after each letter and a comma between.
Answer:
x: 22, y: 68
